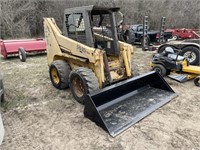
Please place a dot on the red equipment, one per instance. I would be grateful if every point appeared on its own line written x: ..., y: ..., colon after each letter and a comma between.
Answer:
x: 9, y: 47
x: 183, y: 33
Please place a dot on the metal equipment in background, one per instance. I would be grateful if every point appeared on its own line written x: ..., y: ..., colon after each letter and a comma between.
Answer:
x: 189, y: 48
x: 22, y: 47
x: 175, y: 66
x: 145, y: 43
x: 162, y: 29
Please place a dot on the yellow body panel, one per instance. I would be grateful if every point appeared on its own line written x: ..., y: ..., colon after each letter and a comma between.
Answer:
x: 191, y: 69
x: 55, y: 39
x: 191, y: 76
x: 80, y: 55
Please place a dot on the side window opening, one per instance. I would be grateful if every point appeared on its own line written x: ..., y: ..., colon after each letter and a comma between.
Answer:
x: 76, y: 27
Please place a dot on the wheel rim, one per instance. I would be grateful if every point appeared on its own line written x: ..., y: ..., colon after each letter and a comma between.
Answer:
x: 191, y: 56
x: 55, y: 75
x: 175, y: 37
x: 197, y: 81
x: 20, y: 55
x: 158, y: 70
x: 78, y: 87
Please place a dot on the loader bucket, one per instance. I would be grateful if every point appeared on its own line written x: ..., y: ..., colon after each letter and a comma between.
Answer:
x: 117, y: 107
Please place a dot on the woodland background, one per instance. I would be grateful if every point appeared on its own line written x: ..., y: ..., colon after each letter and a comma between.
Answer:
x: 24, y: 18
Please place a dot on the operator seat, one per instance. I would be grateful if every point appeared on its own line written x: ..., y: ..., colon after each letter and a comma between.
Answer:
x: 171, y: 54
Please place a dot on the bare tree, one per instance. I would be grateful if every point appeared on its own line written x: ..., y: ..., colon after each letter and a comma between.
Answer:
x: 14, y: 17
x: 24, y: 18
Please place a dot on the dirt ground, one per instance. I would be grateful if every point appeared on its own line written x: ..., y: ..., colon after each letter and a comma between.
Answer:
x: 36, y: 116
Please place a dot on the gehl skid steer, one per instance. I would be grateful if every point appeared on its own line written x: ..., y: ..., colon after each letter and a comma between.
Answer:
x: 98, y: 69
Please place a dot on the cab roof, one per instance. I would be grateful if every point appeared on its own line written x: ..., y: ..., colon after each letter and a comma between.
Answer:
x: 94, y: 9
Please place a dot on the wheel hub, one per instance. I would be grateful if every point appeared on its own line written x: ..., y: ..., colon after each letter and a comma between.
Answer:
x: 158, y: 70
x: 78, y: 86
x: 199, y: 81
x: 191, y: 56
x: 55, y: 75
x: 20, y: 55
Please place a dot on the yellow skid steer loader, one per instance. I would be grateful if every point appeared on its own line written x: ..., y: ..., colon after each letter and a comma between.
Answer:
x: 88, y: 57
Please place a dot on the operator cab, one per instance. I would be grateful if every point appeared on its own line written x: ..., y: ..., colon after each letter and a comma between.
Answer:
x: 93, y: 26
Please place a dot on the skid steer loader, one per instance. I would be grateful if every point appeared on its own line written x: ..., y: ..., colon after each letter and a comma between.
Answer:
x: 97, y: 68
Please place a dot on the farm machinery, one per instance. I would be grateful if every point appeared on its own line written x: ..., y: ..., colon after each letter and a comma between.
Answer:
x: 183, y: 33
x: 137, y: 30
x: 189, y: 48
x: 22, y: 47
x: 98, y: 69
x: 175, y: 66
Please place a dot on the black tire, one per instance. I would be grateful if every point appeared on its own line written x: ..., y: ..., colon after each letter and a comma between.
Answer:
x: 192, y: 54
x: 22, y: 54
x: 160, y: 69
x: 130, y: 37
x: 59, y: 71
x: 87, y: 83
x: 2, y: 96
x: 162, y: 49
x: 197, y: 81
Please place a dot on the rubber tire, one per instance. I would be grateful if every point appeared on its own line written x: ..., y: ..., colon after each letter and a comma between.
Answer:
x: 160, y: 69
x: 195, y: 50
x: 160, y: 50
x: 196, y: 81
x: 2, y: 96
x: 130, y: 37
x: 22, y: 54
x: 63, y: 70
x: 87, y: 79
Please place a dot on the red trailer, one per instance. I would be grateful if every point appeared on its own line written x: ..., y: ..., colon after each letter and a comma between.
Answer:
x: 21, y: 47
x: 183, y: 33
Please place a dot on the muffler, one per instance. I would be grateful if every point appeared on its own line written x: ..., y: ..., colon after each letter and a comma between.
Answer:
x: 119, y: 106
